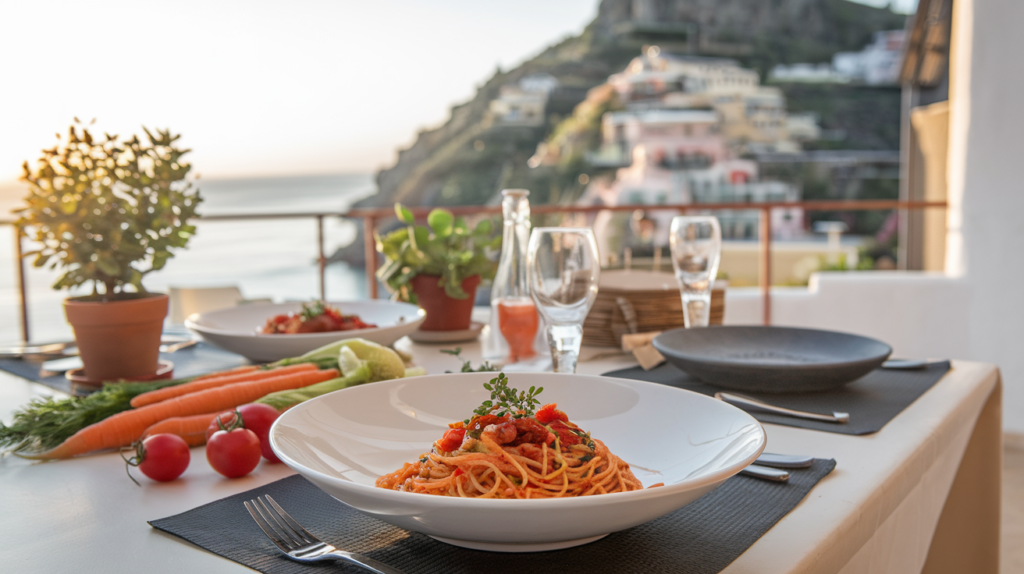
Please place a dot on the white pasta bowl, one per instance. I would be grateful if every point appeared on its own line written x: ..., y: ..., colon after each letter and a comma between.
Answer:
x: 344, y: 440
x: 236, y: 329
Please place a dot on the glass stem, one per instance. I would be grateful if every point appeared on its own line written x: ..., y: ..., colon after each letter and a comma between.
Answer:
x: 696, y: 308
x: 564, y: 342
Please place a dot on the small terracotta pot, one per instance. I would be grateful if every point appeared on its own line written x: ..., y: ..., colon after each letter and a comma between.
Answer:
x: 443, y: 312
x: 119, y: 338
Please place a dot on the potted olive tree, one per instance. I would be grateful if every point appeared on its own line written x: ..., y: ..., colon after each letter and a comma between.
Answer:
x: 438, y: 267
x: 106, y: 212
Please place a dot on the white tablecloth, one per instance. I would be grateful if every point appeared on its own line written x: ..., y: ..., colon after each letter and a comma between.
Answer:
x: 920, y: 495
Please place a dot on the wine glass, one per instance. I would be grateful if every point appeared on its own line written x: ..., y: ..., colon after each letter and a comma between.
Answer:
x: 562, y: 268
x: 696, y: 248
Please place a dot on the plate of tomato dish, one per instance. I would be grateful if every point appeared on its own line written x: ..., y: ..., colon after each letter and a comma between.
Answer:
x: 315, y: 317
x: 270, y: 331
x: 525, y: 463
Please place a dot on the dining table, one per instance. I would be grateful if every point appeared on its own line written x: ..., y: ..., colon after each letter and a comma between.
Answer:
x: 920, y: 495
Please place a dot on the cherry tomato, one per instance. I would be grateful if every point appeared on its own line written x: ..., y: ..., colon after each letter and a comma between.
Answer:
x: 226, y: 418
x: 451, y: 440
x: 256, y: 417
x: 549, y: 413
x: 234, y: 452
x: 162, y: 457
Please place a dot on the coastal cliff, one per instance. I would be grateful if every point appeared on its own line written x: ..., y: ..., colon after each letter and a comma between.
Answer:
x: 473, y: 155
x: 469, y: 158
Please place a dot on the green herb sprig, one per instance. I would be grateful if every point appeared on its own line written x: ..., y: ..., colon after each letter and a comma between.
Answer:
x: 520, y: 404
x: 467, y: 366
x: 312, y: 309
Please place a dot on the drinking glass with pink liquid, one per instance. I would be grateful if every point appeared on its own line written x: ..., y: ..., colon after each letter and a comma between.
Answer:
x: 518, y: 322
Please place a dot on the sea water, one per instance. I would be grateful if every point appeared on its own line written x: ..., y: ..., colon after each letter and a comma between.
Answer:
x: 265, y: 258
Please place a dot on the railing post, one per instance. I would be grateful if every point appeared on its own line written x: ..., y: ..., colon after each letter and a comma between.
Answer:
x: 370, y: 254
x: 19, y: 255
x: 321, y: 259
x: 765, y: 275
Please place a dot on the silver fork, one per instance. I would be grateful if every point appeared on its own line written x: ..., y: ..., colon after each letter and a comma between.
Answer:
x: 298, y: 544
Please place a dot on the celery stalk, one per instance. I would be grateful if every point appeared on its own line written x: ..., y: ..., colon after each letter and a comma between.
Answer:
x: 282, y: 400
x: 415, y: 372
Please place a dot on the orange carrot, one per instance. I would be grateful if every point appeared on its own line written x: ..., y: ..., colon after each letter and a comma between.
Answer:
x: 203, y: 384
x: 126, y: 427
x: 191, y: 428
x: 235, y: 371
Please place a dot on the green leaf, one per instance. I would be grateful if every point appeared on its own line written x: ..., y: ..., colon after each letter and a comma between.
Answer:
x: 441, y: 221
x: 484, y: 228
x: 404, y: 214
x: 160, y: 259
x: 422, y: 235
x: 108, y: 265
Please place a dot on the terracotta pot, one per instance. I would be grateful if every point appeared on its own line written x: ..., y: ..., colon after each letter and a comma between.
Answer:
x: 120, y: 338
x: 443, y: 312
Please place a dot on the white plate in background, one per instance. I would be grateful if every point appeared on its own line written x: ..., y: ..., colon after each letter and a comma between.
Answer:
x: 236, y: 329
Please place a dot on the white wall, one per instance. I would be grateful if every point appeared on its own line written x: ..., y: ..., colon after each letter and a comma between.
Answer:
x: 986, y: 188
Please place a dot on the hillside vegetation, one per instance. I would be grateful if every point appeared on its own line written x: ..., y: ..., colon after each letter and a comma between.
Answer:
x: 468, y: 160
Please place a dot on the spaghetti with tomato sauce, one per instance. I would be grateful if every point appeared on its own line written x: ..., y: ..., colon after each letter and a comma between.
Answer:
x: 515, y: 455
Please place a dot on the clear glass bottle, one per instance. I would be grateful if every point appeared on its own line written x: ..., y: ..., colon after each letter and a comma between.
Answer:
x: 514, y: 319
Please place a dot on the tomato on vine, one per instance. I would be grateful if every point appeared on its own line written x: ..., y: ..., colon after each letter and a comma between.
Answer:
x: 161, y: 457
x: 256, y: 417
x: 233, y: 451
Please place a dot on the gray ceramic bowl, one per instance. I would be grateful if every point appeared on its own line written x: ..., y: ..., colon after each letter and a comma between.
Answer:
x: 771, y: 359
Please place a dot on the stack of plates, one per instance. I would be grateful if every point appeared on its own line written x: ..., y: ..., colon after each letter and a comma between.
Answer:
x: 654, y: 298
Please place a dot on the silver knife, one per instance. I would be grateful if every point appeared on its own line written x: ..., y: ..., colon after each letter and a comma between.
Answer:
x: 749, y: 403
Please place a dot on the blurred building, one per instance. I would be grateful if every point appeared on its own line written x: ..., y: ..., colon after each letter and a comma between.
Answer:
x: 803, y: 127
x: 752, y: 117
x: 688, y: 124
x: 676, y: 138
x: 523, y: 103
x: 813, y: 73
x: 878, y: 63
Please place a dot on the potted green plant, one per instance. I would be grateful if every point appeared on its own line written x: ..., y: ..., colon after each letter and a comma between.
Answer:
x: 438, y: 267
x: 107, y: 212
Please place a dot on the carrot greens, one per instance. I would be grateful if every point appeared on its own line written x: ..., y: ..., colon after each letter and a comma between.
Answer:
x: 46, y: 422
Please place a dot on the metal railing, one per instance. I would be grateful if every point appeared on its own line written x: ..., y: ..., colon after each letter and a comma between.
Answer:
x: 371, y: 217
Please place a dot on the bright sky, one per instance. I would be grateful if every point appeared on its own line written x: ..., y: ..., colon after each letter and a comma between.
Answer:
x: 260, y: 87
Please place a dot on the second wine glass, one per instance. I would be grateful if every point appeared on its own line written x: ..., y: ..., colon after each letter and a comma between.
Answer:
x: 563, y: 268
x: 696, y: 243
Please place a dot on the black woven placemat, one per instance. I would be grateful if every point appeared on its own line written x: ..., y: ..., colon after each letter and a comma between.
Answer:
x: 198, y: 359
x: 701, y: 538
x: 872, y: 400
